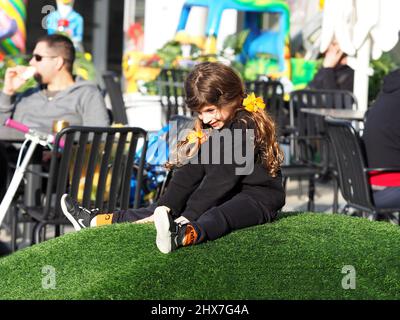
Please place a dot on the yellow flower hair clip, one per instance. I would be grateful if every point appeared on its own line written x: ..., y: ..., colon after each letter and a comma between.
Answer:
x: 252, y: 103
x: 194, y: 136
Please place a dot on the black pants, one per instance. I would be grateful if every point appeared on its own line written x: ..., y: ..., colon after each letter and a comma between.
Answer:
x: 241, y: 211
x: 387, y: 198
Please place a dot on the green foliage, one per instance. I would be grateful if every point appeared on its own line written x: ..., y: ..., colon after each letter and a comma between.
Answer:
x: 169, y: 52
x: 381, y: 68
x: 300, y: 256
x: 236, y: 41
x: 303, y: 71
x: 260, y: 66
x: 84, y: 66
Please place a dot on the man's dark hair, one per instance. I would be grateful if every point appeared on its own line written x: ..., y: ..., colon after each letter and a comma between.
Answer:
x: 63, y: 46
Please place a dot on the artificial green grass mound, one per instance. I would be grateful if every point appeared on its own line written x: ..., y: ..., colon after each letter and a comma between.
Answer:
x: 296, y: 257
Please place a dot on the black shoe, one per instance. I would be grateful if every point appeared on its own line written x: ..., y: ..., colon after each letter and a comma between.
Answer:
x: 79, y: 216
x: 172, y: 235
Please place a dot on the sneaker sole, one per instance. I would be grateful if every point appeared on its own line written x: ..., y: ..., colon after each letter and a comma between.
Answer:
x: 163, y: 239
x: 68, y: 215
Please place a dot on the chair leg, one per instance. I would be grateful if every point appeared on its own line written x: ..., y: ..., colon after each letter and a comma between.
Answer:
x: 284, y: 182
x: 43, y: 235
x: 57, y: 231
x: 164, y: 184
x: 311, y: 192
x: 36, y: 232
x: 335, y: 207
x: 14, y: 230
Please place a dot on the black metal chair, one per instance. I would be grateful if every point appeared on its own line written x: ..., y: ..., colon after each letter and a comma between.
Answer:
x: 352, y: 168
x: 113, y: 86
x: 310, y: 149
x: 170, y: 83
x: 173, y: 136
x: 95, y: 165
x: 273, y: 94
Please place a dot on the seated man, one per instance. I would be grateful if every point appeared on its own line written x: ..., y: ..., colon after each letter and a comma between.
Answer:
x: 58, y: 96
x: 382, y: 142
x: 335, y: 73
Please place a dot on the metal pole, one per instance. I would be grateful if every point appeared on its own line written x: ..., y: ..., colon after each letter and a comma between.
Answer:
x: 100, y: 34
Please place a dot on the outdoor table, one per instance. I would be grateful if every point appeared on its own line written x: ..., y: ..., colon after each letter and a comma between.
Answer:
x: 11, y: 135
x: 344, y: 114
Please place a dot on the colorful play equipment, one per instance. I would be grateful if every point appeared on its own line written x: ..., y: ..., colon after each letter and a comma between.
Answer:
x: 137, y: 67
x: 12, y: 27
x: 272, y: 46
x: 66, y: 20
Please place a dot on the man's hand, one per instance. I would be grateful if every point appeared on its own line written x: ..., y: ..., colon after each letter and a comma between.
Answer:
x: 14, y: 79
x: 332, y: 56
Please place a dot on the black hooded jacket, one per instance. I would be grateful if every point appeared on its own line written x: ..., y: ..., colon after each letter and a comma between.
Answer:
x: 340, y: 77
x: 382, y: 128
x: 195, y: 188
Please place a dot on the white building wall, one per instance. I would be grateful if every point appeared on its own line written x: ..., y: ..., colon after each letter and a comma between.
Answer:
x: 160, y: 22
x: 228, y: 26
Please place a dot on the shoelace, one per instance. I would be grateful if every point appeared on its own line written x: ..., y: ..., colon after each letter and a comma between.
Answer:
x: 91, y: 212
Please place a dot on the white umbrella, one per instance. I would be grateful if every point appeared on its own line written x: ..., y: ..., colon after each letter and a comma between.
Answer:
x: 363, y: 29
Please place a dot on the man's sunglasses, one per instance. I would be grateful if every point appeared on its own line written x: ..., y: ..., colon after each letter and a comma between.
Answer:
x: 39, y: 58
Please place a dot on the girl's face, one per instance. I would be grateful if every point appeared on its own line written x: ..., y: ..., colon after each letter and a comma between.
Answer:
x: 214, y: 116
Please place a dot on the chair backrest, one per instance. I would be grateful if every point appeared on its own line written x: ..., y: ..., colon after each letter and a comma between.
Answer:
x: 308, y: 125
x: 273, y: 94
x: 177, y: 124
x: 113, y: 87
x: 323, y: 98
x: 351, y: 164
x: 95, y: 166
x: 312, y: 98
x: 170, y: 84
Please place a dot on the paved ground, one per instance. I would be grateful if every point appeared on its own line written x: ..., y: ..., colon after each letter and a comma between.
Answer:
x: 297, y: 199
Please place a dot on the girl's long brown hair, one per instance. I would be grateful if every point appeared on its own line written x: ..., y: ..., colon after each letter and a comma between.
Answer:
x: 213, y: 83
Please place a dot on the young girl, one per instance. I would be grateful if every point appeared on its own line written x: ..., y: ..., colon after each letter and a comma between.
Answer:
x: 208, y: 196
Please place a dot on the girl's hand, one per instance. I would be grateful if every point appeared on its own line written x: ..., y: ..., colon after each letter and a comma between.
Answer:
x: 145, y: 220
x: 151, y: 218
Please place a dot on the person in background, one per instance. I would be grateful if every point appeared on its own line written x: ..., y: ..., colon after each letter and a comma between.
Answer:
x: 382, y: 142
x: 335, y: 73
x: 58, y: 95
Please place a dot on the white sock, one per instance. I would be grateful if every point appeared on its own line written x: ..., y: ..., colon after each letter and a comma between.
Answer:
x: 93, y: 222
x: 162, y: 209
